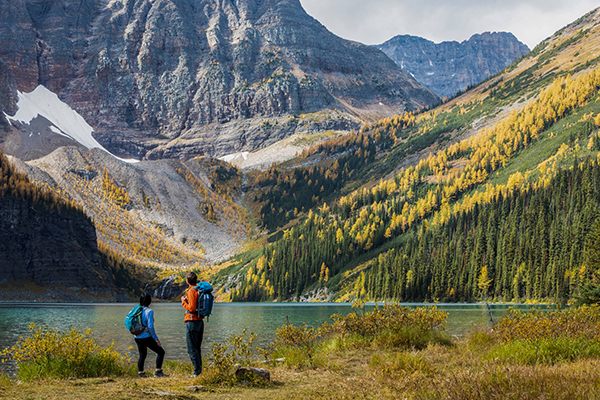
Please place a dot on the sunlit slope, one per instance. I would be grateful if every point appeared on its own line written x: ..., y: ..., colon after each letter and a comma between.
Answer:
x: 507, y: 137
x: 166, y: 214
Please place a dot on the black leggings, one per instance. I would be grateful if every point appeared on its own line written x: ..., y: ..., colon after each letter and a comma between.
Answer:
x: 143, y: 346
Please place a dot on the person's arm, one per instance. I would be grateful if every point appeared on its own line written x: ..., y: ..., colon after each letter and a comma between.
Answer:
x: 190, y: 302
x: 151, y: 325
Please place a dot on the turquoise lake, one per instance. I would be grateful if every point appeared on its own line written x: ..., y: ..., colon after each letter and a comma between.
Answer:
x: 227, y: 318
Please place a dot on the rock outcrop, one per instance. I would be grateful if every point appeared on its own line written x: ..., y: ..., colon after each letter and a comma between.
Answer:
x: 8, y: 94
x: 450, y: 67
x: 177, y: 78
x: 50, y: 249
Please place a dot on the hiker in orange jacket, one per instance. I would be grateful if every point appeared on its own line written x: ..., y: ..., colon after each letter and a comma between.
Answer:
x: 194, y: 325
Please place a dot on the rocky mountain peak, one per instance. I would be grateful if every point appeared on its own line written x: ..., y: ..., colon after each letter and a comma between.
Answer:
x: 449, y: 67
x: 177, y: 78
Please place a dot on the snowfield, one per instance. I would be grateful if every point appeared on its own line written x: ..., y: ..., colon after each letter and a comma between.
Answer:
x: 66, y: 121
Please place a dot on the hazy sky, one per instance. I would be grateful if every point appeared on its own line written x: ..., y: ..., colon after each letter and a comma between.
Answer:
x: 376, y: 21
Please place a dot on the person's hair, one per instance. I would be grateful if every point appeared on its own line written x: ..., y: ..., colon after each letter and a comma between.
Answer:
x: 145, y: 300
x: 191, y: 278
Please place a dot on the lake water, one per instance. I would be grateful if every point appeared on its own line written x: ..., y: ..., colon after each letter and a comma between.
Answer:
x: 227, y: 318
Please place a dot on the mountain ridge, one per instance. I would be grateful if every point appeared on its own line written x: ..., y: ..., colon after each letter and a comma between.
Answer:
x: 450, y: 67
x: 176, y: 79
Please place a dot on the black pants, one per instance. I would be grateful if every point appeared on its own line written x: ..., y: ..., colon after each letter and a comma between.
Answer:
x: 194, y: 330
x: 143, y: 346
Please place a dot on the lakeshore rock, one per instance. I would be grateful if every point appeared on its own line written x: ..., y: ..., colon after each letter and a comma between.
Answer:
x: 242, y: 373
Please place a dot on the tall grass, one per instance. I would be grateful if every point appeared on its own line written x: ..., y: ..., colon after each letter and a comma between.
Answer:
x: 50, y: 353
x: 547, y: 337
x: 579, y: 380
x: 4, y: 380
x: 546, y: 351
x: 391, y: 325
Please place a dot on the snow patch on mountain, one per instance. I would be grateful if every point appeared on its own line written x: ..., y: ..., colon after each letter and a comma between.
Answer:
x: 65, y: 121
x: 236, y: 156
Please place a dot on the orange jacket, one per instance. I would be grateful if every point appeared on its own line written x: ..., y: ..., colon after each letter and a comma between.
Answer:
x: 190, y: 303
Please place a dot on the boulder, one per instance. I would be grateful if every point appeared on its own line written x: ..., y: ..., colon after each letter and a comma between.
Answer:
x: 248, y: 373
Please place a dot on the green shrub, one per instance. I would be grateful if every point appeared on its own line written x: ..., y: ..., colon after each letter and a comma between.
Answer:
x: 350, y: 341
x: 293, y: 357
x: 225, y: 357
x: 49, y: 353
x: 581, y: 322
x: 481, y: 339
x: 4, y: 380
x: 389, y: 326
x: 392, y: 325
x: 408, y: 337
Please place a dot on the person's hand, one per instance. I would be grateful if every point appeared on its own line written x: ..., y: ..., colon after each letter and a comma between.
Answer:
x: 183, y: 298
x: 158, y: 342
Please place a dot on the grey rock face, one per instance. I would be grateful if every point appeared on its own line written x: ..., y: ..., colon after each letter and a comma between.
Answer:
x: 167, y: 289
x: 8, y: 94
x: 18, y: 43
x: 8, y: 90
x: 449, y: 67
x: 176, y: 78
x: 160, y: 198
x: 49, y: 249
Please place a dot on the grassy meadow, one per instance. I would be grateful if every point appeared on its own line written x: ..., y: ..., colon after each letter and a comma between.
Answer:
x: 390, y: 353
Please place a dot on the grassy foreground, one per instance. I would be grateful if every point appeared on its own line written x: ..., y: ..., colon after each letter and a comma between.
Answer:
x: 433, y: 373
x: 539, y: 355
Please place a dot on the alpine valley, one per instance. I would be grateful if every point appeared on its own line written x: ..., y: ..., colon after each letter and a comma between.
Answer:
x: 243, y: 140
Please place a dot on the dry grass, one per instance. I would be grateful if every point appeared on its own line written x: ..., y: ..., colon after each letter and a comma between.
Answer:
x: 436, y: 372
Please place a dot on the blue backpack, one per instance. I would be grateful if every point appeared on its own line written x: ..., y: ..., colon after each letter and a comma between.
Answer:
x: 205, y: 299
x: 133, y: 321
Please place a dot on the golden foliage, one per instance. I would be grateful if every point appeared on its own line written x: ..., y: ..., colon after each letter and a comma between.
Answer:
x: 56, y: 354
x: 582, y: 322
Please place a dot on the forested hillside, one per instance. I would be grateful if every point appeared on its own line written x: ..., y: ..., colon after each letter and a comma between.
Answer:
x: 49, y: 246
x: 530, y: 244
x: 17, y: 186
x: 437, y: 202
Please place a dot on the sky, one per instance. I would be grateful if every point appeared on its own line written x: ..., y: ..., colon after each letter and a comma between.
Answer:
x: 376, y: 21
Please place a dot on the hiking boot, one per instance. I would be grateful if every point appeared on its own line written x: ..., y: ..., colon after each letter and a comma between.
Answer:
x: 160, y: 374
x: 142, y: 374
x: 194, y: 376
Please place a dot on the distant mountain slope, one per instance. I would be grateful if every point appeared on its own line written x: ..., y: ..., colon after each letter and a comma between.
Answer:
x: 186, y: 77
x: 431, y: 206
x: 159, y: 213
x: 450, y: 67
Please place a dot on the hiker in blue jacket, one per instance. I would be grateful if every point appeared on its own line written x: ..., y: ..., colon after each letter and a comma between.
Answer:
x: 149, y: 340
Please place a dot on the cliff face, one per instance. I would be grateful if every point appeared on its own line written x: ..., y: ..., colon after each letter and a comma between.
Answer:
x: 449, y: 67
x: 49, y: 249
x: 174, y: 78
x: 8, y: 94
